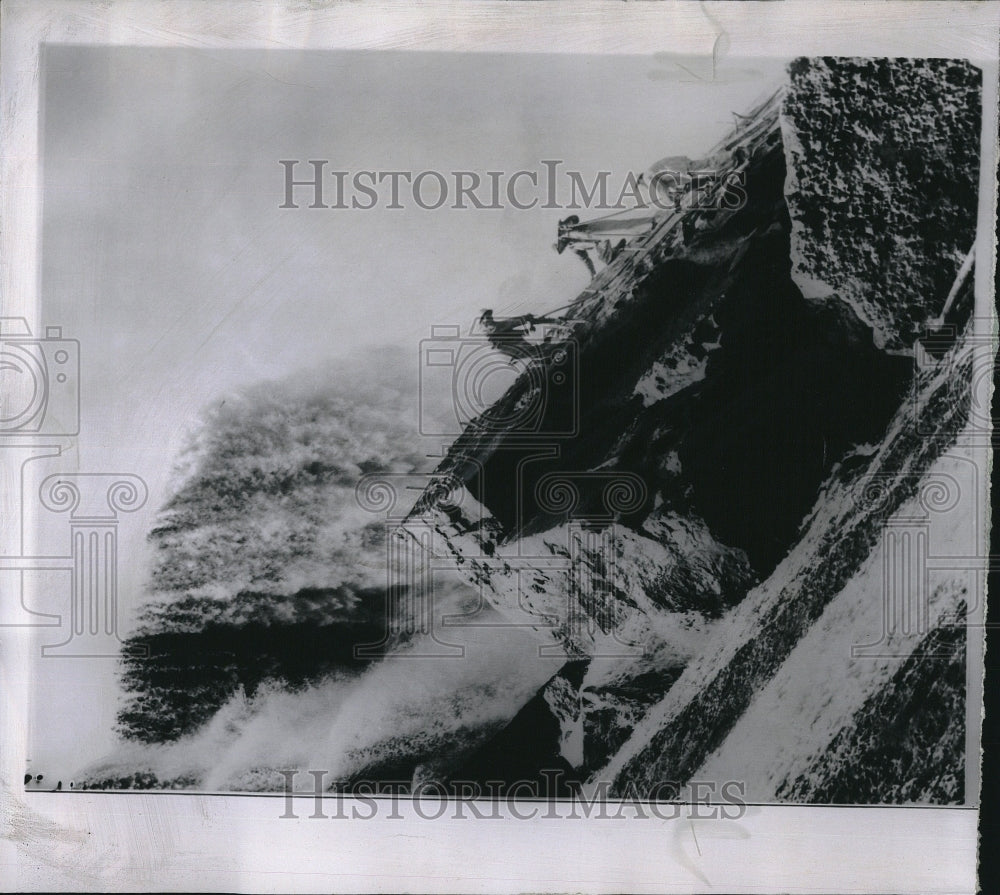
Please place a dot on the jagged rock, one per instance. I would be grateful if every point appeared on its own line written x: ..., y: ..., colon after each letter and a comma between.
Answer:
x: 883, y: 204
x: 401, y: 763
x: 532, y: 747
x: 616, y: 698
x: 673, y: 491
x: 728, y: 369
x: 701, y: 709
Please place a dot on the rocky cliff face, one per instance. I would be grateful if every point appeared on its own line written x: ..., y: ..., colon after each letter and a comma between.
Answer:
x: 694, y: 499
x: 674, y: 493
x: 882, y: 184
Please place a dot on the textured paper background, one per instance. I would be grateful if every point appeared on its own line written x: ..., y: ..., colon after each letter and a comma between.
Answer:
x: 221, y: 843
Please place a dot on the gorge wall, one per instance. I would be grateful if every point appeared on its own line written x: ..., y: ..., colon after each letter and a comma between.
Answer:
x: 686, y: 502
x: 743, y: 376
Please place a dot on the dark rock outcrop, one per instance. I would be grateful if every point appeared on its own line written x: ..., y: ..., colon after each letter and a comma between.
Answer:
x: 702, y: 708
x: 684, y: 482
x: 883, y: 188
x: 740, y: 372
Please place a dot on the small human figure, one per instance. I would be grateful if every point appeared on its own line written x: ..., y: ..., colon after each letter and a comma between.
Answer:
x: 509, y: 335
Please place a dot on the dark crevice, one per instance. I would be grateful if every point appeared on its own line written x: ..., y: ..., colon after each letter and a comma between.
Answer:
x: 789, y: 386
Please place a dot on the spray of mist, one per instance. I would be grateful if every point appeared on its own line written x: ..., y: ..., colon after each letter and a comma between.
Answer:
x: 267, y: 572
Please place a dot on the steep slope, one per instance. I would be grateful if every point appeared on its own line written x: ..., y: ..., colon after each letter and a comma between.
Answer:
x: 678, y: 518
x: 669, y: 491
x: 708, y: 700
x: 919, y: 745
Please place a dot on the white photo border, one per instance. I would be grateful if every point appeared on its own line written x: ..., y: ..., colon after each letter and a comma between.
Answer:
x: 177, y: 842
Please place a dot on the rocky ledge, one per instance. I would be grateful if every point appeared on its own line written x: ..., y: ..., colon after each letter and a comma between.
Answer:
x: 678, y: 490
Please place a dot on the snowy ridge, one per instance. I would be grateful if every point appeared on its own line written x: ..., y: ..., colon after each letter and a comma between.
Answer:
x: 749, y: 367
x: 680, y: 513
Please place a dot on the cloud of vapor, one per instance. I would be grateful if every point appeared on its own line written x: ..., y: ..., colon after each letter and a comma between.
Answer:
x: 264, y: 533
x: 264, y: 497
x: 401, y: 711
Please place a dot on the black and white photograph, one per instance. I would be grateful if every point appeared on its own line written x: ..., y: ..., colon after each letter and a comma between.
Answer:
x: 434, y: 428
